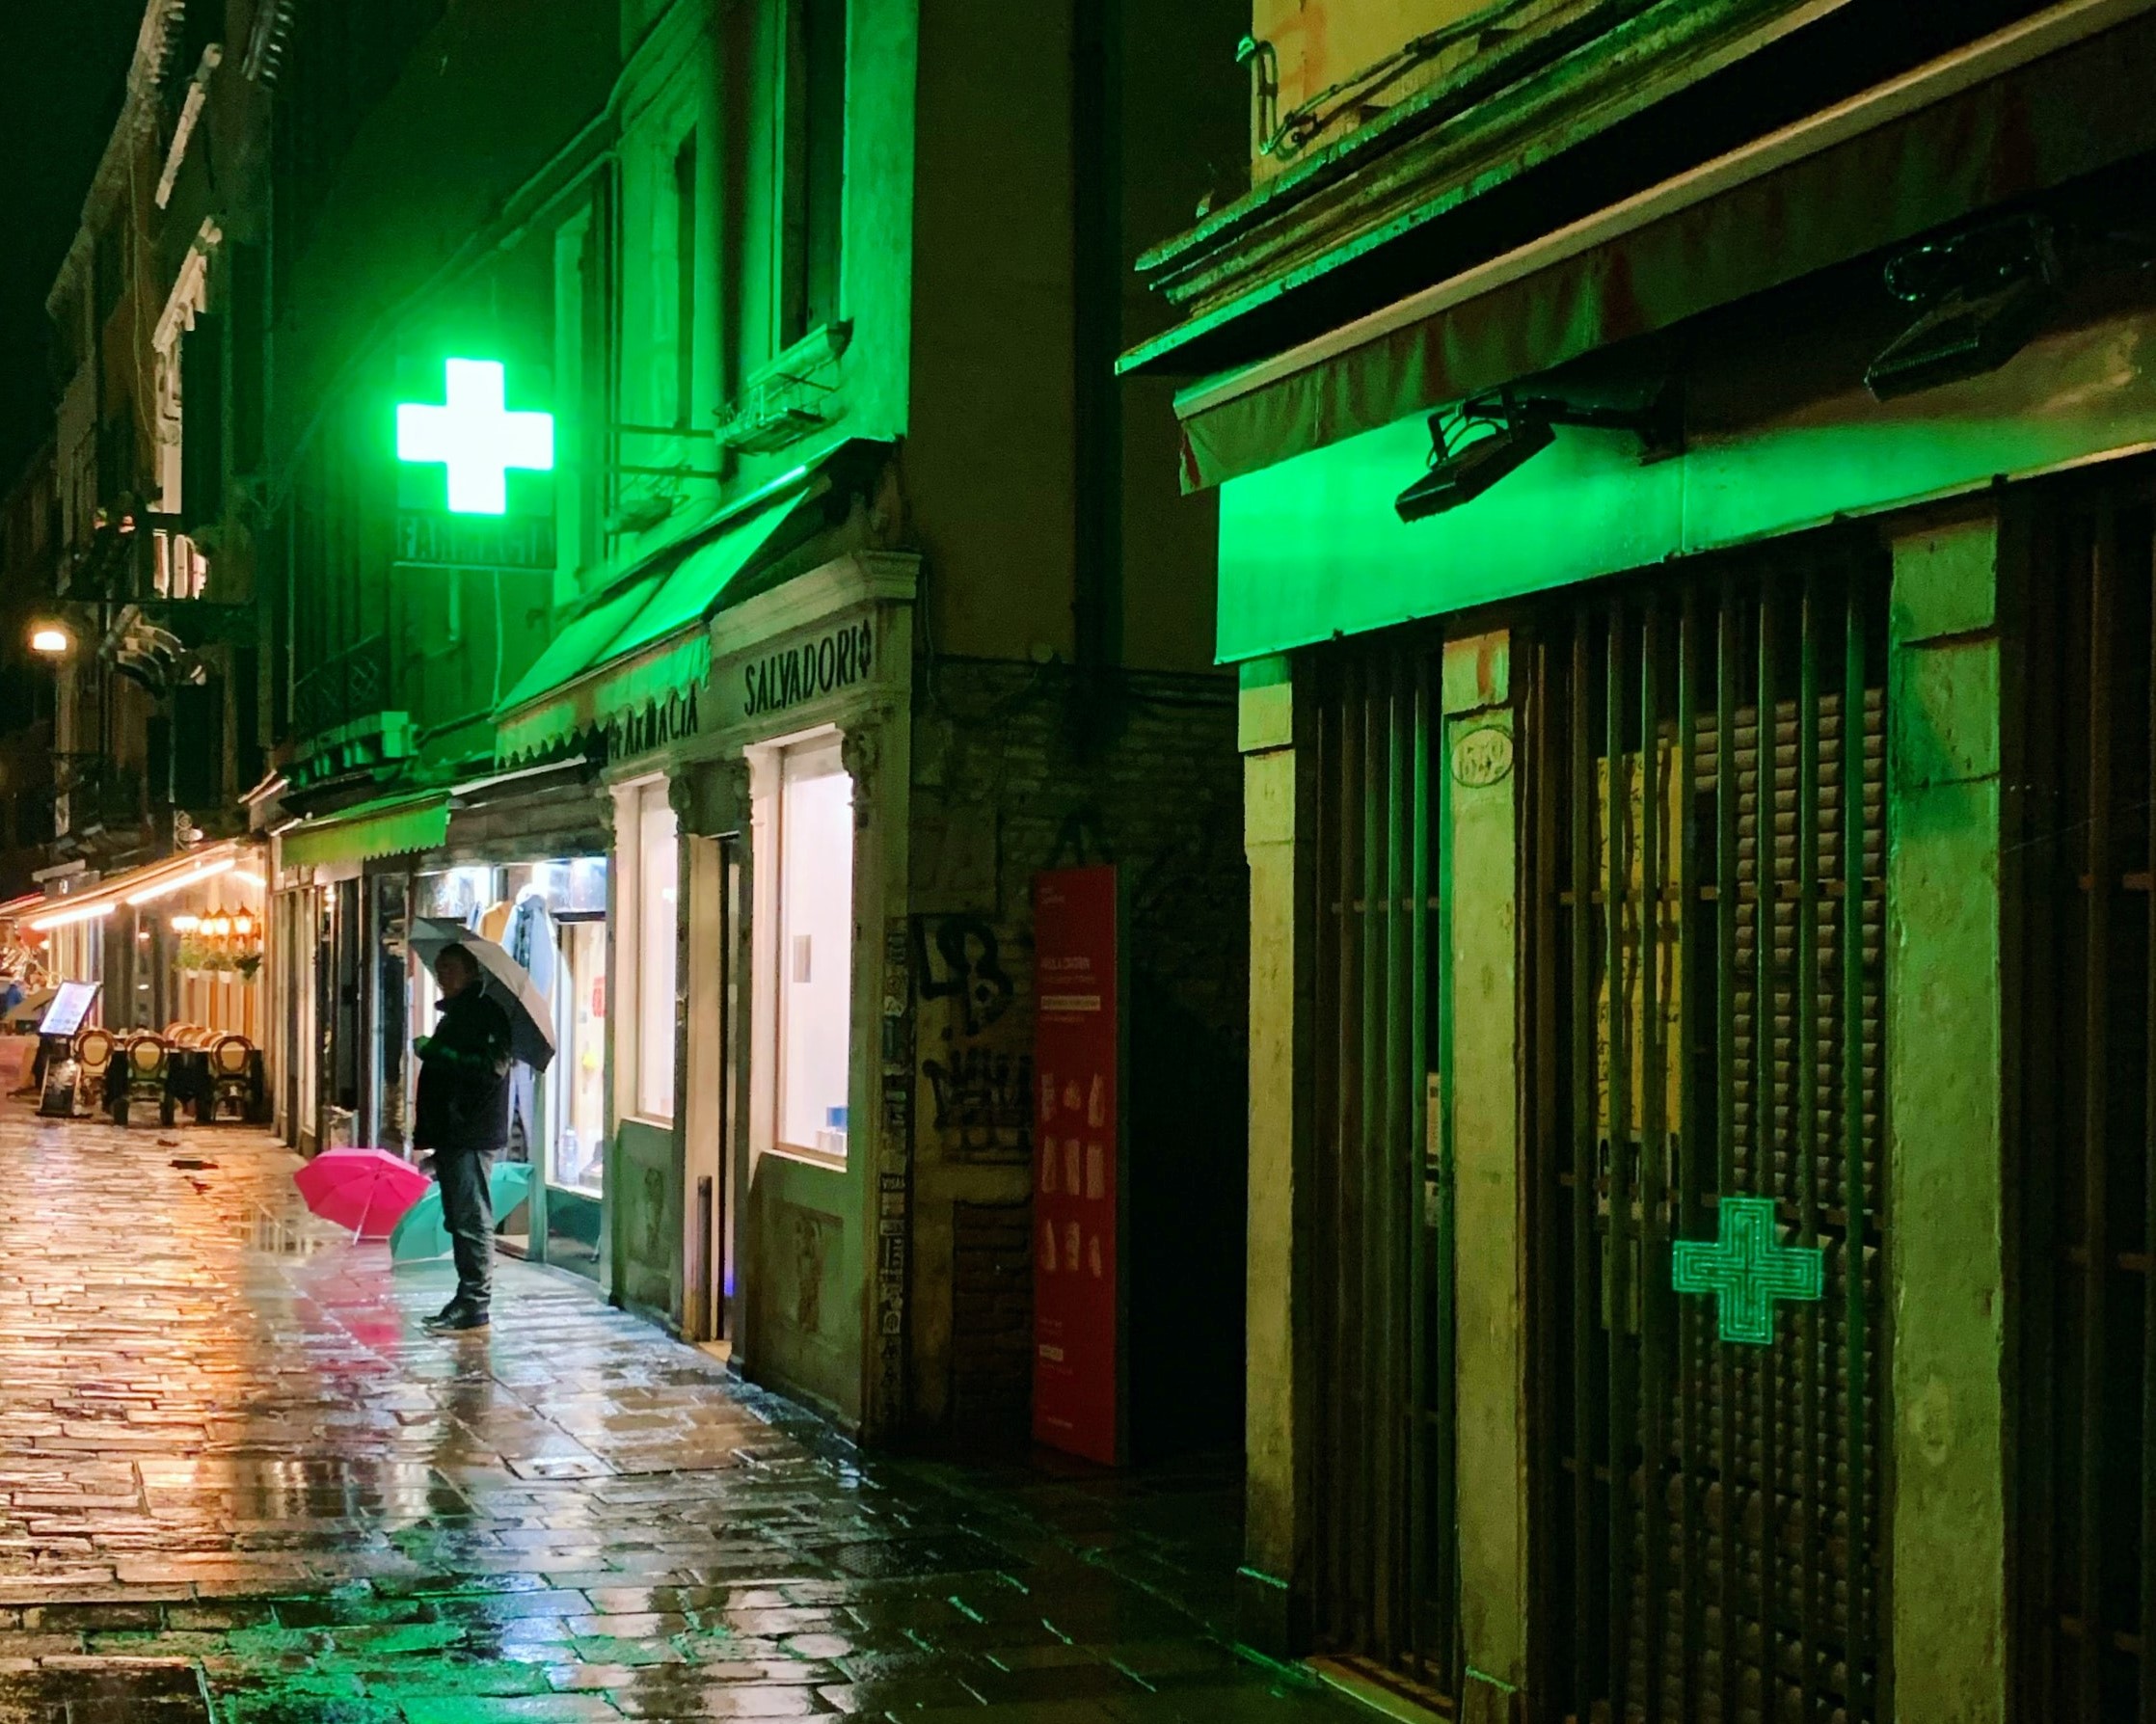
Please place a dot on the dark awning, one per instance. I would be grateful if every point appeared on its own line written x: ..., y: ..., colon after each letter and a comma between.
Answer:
x: 2030, y: 108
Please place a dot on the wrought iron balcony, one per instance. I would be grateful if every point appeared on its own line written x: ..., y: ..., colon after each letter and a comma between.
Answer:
x: 351, y: 686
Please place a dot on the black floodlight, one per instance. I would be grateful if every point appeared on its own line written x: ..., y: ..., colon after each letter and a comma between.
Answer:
x: 1513, y: 431
x: 1981, y: 294
x: 1464, y: 465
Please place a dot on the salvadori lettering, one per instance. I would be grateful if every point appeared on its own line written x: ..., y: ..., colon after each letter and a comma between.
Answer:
x: 835, y: 660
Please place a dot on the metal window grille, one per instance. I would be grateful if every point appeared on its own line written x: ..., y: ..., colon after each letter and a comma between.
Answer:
x: 1704, y: 990
x: 1383, y: 1267
x: 2081, y: 854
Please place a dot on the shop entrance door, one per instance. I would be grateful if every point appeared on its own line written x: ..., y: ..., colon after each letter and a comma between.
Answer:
x: 338, y: 1015
x: 1705, y: 907
x: 717, y: 1049
x: 1383, y: 1273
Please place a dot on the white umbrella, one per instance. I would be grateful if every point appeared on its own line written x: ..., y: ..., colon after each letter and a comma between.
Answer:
x: 531, y: 1035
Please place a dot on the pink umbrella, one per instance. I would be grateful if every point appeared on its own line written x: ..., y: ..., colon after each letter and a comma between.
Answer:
x: 365, y: 1190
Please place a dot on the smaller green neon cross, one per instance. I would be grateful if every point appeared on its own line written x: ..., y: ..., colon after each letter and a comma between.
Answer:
x: 1747, y: 1271
x: 476, y: 438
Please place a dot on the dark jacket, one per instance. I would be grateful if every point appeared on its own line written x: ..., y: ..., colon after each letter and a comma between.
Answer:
x: 464, y: 1076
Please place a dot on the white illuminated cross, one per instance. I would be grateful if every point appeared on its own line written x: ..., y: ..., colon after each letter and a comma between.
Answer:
x: 476, y: 438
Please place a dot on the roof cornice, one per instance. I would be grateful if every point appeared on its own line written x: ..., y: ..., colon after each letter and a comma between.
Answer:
x: 137, y: 109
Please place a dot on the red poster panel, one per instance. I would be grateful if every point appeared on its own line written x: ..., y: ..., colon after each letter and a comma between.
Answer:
x: 1075, y: 1138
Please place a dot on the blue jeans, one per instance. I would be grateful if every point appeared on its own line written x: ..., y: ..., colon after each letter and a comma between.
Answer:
x: 468, y: 1212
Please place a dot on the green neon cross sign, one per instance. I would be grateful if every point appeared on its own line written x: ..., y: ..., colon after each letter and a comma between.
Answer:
x: 476, y: 438
x: 1747, y: 1271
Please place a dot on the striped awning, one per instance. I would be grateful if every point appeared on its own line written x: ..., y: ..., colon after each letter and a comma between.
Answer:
x: 136, y: 886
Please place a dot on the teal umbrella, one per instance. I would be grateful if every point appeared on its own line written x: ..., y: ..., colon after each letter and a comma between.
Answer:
x: 510, y: 1183
x: 422, y: 1233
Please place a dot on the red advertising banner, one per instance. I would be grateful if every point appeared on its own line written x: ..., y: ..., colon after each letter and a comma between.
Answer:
x: 1076, y: 1135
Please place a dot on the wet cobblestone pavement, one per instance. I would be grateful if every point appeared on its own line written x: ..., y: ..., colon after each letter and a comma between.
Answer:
x: 238, y: 1482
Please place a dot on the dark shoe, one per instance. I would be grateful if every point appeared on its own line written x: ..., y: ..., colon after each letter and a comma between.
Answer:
x: 453, y: 1320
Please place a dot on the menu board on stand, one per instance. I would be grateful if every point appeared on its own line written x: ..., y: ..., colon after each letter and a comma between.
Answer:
x: 69, y: 1010
x: 1079, y: 1369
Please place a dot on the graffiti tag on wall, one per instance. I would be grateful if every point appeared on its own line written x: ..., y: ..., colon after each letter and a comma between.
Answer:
x: 977, y: 1054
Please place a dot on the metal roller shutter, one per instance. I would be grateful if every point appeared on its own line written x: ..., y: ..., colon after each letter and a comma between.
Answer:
x: 1705, y: 970
x: 1383, y: 1267
x: 2081, y: 858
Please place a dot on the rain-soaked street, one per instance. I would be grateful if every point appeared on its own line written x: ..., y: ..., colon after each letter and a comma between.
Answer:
x: 241, y: 1483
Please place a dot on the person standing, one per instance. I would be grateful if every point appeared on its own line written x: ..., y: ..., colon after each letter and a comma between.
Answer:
x: 462, y: 1117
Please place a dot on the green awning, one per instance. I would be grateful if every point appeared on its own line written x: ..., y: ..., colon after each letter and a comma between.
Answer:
x: 2037, y: 105
x: 643, y: 643
x: 388, y: 827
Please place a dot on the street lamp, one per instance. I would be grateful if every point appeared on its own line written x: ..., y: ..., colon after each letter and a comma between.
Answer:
x: 49, y: 640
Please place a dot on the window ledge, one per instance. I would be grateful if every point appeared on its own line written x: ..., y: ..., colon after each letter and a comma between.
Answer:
x: 812, y: 1158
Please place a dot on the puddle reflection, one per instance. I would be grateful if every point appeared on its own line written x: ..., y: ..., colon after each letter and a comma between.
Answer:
x: 287, y: 1233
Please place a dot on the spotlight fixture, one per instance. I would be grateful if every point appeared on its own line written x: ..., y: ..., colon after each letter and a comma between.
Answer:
x: 1980, y: 295
x: 1463, y: 465
x: 1514, y: 430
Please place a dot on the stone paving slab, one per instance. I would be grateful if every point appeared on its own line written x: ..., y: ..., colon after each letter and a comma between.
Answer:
x: 238, y: 1482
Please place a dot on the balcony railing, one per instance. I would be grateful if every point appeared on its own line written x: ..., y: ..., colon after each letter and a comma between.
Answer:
x: 348, y: 686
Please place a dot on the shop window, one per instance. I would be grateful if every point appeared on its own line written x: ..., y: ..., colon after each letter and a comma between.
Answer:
x: 580, y: 370
x: 814, y: 113
x: 657, y: 865
x: 551, y: 916
x: 685, y: 282
x: 814, y: 953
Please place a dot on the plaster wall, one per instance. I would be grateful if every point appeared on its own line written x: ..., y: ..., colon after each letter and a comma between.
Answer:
x: 1044, y: 492
x: 1273, y: 1603
x: 1322, y: 42
x: 990, y: 462
x: 1479, y: 874
x: 1946, y: 1119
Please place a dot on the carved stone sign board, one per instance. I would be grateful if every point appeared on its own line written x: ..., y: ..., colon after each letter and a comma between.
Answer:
x: 651, y: 726
x: 760, y: 687
x: 840, y: 658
